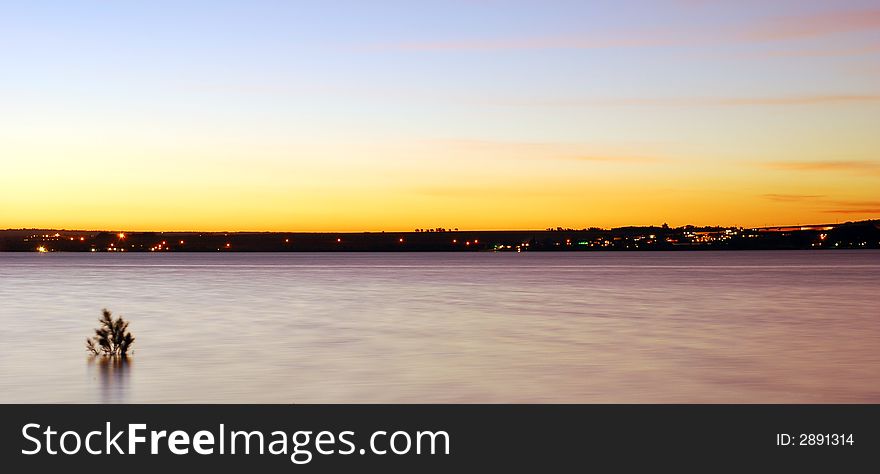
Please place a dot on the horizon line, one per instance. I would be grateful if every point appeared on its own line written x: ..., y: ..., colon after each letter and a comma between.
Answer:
x: 433, y: 230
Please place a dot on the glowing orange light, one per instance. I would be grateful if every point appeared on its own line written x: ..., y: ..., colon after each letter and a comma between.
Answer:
x: 476, y: 241
x: 401, y: 240
x: 338, y: 240
x: 41, y: 249
x: 454, y: 241
x: 121, y: 235
x: 81, y: 239
x: 286, y: 240
x: 228, y: 245
x: 181, y: 242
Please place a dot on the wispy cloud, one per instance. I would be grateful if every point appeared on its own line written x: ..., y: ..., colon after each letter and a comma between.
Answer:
x: 857, y: 50
x: 583, y: 152
x: 619, y: 159
x: 851, y: 203
x: 853, y: 207
x: 853, y: 211
x: 820, y: 24
x: 790, y: 100
x: 614, y: 40
x: 870, y: 167
x: 698, y: 101
x: 822, y: 204
x: 522, y: 191
x: 761, y: 30
x: 792, y: 197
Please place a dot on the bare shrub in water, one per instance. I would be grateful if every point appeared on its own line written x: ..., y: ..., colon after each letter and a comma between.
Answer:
x: 112, y: 338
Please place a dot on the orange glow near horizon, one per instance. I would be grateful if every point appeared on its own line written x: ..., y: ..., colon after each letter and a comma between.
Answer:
x: 589, y: 200
x: 478, y: 186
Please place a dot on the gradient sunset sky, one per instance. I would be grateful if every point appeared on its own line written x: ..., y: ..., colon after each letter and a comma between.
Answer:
x: 481, y: 114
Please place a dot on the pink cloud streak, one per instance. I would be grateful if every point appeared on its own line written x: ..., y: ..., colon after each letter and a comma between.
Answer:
x: 772, y: 29
x: 821, y: 24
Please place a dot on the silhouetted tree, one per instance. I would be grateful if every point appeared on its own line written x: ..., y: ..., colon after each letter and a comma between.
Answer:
x: 112, y: 338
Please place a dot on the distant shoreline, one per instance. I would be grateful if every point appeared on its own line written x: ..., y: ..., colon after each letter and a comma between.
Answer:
x: 850, y: 235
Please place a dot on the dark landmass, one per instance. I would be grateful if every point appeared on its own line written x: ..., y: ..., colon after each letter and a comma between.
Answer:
x: 850, y: 235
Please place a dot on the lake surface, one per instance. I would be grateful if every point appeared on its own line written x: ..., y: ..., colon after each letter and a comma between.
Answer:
x: 772, y: 326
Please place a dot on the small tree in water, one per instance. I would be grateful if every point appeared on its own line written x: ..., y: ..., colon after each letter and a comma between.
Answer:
x: 112, y: 339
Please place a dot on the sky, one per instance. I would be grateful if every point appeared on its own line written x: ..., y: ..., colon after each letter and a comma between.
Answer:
x: 475, y: 114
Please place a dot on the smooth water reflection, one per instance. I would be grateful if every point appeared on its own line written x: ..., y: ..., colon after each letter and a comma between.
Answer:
x: 560, y: 327
x: 112, y: 375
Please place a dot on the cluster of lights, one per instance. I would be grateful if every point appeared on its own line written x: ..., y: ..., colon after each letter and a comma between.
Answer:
x: 518, y: 248
x: 161, y: 246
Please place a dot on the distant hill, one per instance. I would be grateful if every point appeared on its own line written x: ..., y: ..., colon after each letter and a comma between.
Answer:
x: 849, y: 235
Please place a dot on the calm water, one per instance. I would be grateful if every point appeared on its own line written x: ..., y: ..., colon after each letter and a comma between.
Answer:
x: 609, y: 327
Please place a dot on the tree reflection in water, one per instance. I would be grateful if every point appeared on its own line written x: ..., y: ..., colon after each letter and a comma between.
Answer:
x: 112, y: 374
